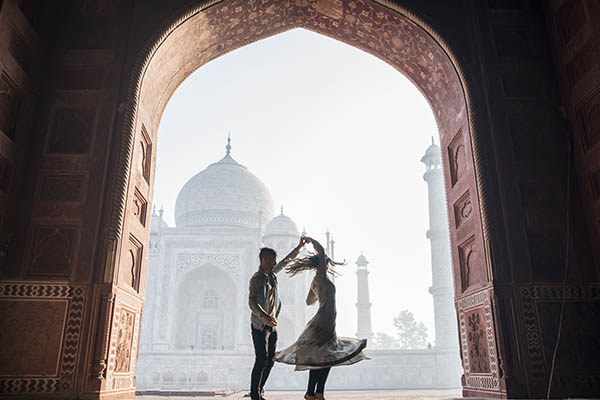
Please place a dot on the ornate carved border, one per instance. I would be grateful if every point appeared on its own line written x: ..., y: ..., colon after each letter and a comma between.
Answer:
x: 128, y: 118
x: 479, y: 381
x: 229, y: 263
x: 528, y: 296
x: 468, y: 86
x: 123, y: 346
x: 76, y: 296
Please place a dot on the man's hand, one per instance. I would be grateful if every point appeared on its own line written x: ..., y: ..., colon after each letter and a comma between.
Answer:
x: 269, y: 320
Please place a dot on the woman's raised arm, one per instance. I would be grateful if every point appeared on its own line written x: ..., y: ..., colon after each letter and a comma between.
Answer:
x: 322, y: 268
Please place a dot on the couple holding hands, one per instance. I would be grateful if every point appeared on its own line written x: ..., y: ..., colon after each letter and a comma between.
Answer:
x: 318, y: 348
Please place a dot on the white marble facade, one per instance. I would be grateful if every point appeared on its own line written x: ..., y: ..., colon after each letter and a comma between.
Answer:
x: 198, y: 272
x: 196, y: 322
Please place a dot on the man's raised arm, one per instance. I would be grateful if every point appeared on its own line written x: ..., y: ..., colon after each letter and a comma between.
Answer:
x: 292, y: 254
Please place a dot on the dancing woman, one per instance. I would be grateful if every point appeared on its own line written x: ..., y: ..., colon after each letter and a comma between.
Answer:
x: 318, y: 348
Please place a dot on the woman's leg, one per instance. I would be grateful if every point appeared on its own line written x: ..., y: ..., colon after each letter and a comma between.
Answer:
x: 324, y: 373
x: 313, y: 377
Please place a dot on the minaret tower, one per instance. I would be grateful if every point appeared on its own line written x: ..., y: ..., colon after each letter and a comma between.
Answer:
x: 363, y: 303
x: 329, y: 249
x: 446, y: 335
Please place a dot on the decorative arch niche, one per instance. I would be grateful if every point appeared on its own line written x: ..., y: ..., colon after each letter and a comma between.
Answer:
x: 209, y: 29
x: 193, y: 314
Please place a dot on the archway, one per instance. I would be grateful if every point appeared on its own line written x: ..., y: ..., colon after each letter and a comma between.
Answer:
x: 205, y: 309
x: 210, y: 29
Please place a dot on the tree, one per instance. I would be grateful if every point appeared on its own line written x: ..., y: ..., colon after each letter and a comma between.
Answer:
x: 383, y: 341
x: 411, y: 334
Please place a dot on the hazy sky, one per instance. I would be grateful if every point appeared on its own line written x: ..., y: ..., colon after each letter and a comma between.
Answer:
x: 337, y: 136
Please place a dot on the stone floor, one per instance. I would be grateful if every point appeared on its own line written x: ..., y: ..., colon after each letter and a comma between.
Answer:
x: 336, y: 395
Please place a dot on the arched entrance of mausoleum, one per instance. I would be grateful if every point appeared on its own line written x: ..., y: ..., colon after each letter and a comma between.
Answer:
x: 210, y: 29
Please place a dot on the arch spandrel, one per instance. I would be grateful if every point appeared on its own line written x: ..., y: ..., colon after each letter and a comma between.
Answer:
x: 372, y: 27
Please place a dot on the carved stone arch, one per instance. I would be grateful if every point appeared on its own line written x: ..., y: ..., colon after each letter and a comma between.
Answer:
x: 382, y: 28
x: 191, y: 316
x: 127, y: 124
x: 219, y: 271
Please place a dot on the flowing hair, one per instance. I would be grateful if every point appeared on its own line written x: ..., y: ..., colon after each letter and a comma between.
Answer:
x: 311, y: 262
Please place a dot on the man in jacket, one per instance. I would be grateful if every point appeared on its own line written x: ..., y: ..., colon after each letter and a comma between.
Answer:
x: 265, y: 306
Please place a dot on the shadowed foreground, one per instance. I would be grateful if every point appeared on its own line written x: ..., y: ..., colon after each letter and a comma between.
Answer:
x: 338, y: 395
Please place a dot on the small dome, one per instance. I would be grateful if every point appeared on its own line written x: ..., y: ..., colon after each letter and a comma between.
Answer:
x: 362, y: 260
x: 434, y: 149
x: 432, y: 155
x: 225, y: 193
x: 281, y: 225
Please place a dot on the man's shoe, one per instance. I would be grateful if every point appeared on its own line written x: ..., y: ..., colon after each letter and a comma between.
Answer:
x: 309, y: 397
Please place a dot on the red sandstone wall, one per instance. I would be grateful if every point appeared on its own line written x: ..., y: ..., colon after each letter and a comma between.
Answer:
x: 575, y: 36
x: 64, y: 78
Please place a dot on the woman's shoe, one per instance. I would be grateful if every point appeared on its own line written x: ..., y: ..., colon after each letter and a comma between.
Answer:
x: 309, y: 397
x: 319, y: 396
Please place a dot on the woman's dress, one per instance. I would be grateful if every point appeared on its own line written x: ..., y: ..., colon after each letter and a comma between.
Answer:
x: 318, y: 346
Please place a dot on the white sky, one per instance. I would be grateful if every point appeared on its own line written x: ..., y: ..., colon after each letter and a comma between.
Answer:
x: 336, y: 135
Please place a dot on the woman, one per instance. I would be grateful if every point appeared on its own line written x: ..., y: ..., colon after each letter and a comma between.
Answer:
x: 318, y: 348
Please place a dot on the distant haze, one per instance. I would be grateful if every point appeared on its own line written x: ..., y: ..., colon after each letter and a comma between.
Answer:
x: 337, y: 136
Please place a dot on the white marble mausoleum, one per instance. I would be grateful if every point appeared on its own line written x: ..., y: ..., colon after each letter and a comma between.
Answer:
x: 196, y: 322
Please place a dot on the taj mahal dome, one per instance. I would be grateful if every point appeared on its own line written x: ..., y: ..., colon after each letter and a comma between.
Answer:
x: 195, y: 331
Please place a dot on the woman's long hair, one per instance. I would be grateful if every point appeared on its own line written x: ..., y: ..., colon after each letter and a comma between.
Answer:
x: 311, y: 262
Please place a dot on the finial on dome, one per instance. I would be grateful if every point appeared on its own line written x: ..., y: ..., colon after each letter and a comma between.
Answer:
x: 154, y: 209
x: 303, y: 230
x: 282, y: 209
x: 161, y: 211
x: 432, y: 142
x: 228, y: 147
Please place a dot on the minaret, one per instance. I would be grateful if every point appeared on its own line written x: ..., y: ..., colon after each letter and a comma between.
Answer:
x: 363, y: 303
x: 446, y: 335
x: 332, y: 248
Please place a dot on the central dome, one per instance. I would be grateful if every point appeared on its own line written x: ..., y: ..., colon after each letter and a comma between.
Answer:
x: 225, y: 193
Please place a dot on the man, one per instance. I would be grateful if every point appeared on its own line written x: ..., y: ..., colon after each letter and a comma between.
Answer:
x: 265, y: 306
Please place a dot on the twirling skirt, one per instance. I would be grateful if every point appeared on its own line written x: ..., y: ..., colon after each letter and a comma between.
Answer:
x: 309, y: 354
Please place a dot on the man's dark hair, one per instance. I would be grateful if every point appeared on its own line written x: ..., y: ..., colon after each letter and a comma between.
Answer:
x: 267, y: 251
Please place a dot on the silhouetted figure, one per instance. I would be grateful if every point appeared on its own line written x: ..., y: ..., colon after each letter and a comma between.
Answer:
x: 318, y: 347
x: 265, y: 305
